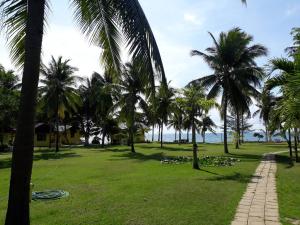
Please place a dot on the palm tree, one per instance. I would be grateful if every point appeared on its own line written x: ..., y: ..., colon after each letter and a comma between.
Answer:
x: 236, y: 74
x: 265, y: 104
x: 207, y: 125
x: 195, y: 104
x: 130, y: 89
x: 58, y: 91
x: 166, y: 95
x: 103, y: 22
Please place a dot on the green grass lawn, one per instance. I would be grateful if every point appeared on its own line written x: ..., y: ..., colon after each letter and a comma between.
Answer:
x: 114, y: 186
x: 288, y: 187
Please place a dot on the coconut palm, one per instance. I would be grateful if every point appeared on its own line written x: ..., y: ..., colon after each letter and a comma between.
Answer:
x: 131, y: 88
x: 265, y: 104
x: 166, y: 97
x: 195, y: 105
x: 103, y: 22
x: 207, y: 125
x: 236, y: 74
x: 58, y: 91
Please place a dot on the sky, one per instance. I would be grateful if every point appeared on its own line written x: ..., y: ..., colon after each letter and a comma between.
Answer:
x: 179, y: 26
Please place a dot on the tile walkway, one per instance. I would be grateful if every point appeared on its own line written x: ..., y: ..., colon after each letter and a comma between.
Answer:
x: 259, y: 205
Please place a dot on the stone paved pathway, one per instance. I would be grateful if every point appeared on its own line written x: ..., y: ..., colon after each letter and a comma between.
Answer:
x: 259, y: 205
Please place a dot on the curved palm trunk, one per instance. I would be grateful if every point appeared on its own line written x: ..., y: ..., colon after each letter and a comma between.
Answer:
x: 225, y: 125
x: 161, y: 135
x: 195, y: 147
x: 296, y: 145
x: 22, y: 158
x: 203, y: 137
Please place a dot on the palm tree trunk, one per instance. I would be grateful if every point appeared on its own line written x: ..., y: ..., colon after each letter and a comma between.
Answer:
x: 195, y: 147
x: 267, y: 133
x: 237, y: 142
x: 175, y: 135
x: 132, y: 141
x: 188, y: 135
x: 103, y: 139
x: 57, y: 130
x: 158, y: 138
x: 203, y: 137
x: 296, y: 145
x: 225, y: 124
x: 241, y: 139
x: 153, y: 133
x: 179, y: 141
x: 161, y: 135
x: 22, y: 158
x: 290, y: 146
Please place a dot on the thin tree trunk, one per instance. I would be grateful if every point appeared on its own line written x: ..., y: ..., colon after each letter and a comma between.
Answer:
x: 195, y: 147
x: 267, y: 133
x: 296, y: 145
x: 203, y: 137
x: 237, y: 142
x: 158, y: 139
x: 175, y: 135
x: 188, y: 135
x: 225, y: 125
x: 290, y: 147
x: 153, y: 133
x: 241, y: 139
x: 179, y: 141
x: 57, y: 129
x: 161, y: 135
x: 22, y: 158
x: 103, y: 139
x: 132, y: 140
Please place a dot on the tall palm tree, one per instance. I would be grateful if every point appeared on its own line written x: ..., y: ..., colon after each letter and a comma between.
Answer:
x: 166, y: 97
x: 236, y: 74
x: 104, y: 22
x: 266, y: 102
x: 59, y: 94
x: 195, y: 104
x: 130, y: 89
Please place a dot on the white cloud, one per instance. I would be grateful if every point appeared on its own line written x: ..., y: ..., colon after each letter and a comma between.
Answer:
x: 70, y: 44
x: 193, y: 18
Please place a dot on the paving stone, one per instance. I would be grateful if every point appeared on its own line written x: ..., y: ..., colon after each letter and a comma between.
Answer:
x: 259, y: 204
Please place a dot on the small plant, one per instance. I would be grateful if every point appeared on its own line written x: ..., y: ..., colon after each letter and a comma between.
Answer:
x: 258, y: 135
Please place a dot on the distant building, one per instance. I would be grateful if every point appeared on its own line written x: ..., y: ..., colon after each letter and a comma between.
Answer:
x: 45, y: 135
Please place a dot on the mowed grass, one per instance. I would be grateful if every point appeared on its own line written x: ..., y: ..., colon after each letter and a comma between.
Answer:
x: 115, y: 187
x: 288, y: 187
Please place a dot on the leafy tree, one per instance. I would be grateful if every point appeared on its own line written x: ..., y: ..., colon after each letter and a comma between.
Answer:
x: 130, y: 89
x: 236, y: 74
x: 166, y: 97
x: 58, y: 92
x: 207, y: 125
x: 9, y: 104
x: 258, y: 135
x: 195, y: 104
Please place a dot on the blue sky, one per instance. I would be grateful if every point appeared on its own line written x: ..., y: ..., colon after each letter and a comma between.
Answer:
x: 179, y: 27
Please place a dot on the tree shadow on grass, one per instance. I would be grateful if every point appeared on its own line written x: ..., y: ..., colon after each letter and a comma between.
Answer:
x: 139, y: 156
x: 284, y: 160
x: 54, y: 156
x: 238, y: 177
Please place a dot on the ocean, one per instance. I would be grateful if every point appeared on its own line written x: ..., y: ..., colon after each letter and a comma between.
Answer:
x: 210, y: 137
